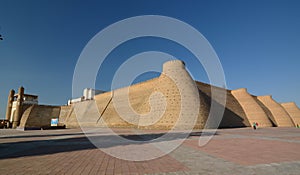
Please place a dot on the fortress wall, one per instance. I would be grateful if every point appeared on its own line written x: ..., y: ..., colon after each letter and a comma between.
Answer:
x: 146, y: 104
x: 101, y: 111
x: 64, y: 111
x: 124, y: 106
x: 166, y: 106
x: 25, y: 106
x: 234, y: 115
x: 25, y: 116
x: 281, y: 117
x: 267, y: 111
x: 142, y: 105
x: 172, y: 99
x: 204, y: 110
x: 84, y: 114
x: 81, y: 114
x: 294, y: 112
x: 182, y: 97
x: 71, y: 118
x: 146, y: 99
x: 103, y: 100
x: 38, y: 116
x: 253, y: 111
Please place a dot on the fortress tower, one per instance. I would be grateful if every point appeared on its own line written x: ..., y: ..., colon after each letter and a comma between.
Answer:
x: 18, y: 112
x: 181, y: 96
x: 17, y: 104
x: 10, y: 101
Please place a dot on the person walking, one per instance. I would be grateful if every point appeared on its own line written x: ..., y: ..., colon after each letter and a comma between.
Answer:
x: 254, y: 125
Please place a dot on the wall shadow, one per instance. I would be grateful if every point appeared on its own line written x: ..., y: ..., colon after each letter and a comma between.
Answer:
x: 48, y: 135
x: 77, y: 143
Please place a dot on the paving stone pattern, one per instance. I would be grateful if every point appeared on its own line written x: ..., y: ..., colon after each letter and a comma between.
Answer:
x: 231, y: 151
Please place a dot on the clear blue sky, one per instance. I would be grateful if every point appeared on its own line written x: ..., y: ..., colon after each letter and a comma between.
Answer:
x: 258, y: 43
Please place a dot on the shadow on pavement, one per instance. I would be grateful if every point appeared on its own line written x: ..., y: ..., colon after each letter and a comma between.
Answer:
x: 77, y: 143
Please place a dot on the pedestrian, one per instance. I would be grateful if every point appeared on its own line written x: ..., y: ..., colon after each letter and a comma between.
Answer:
x: 254, y: 125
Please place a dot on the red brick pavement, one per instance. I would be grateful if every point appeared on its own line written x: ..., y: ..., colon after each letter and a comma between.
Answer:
x: 70, y: 152
x: 91, y: 161
x: 250, y: 151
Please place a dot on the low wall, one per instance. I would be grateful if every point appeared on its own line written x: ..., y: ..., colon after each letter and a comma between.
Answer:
x: 38, y: 116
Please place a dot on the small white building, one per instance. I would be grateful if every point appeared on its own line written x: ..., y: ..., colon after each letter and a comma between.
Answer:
x: 88, y: 94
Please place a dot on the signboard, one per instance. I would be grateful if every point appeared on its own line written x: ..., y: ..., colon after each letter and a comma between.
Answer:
x: 54, y: 121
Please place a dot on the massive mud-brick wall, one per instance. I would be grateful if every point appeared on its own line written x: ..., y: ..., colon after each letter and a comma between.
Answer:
x: 234, y: 115
x: 64, y: 113
x: 155, y: 103
x: 181, y: 96
x: 281, y: 117
x: 293, y: 110
x: 172, y: 99
x: 266, y: 110
x: 253, y: 111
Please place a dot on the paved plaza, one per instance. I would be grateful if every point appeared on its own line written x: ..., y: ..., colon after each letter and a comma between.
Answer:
x: 230, y: 151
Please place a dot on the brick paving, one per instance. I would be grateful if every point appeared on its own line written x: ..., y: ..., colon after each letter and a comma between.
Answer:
x: 231, y: 151
x: 249, y: 151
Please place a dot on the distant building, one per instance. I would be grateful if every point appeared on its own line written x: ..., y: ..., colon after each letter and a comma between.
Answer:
x: 27, y: 99
x: 17, y: 104
x: 88, y: 94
